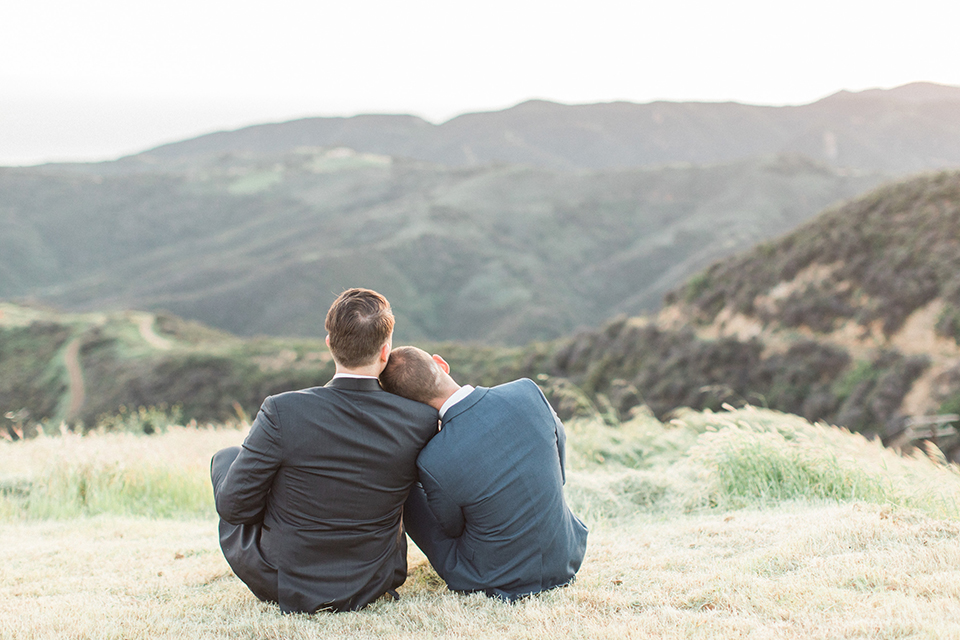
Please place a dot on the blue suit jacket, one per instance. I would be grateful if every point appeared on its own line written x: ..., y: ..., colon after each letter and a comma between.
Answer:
x: 493, y: 479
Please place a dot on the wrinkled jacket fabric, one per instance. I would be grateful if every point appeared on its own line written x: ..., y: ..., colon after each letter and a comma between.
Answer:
x: 312, y: 505
x: 491, y: 509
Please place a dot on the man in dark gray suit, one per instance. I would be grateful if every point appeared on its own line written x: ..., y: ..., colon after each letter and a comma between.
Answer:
x: 311, y: 504
x: 489, y: 511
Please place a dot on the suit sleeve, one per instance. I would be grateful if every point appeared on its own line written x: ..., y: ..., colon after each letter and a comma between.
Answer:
x: 444, y: 508
x: 242, y: 497
x: 560, y: 433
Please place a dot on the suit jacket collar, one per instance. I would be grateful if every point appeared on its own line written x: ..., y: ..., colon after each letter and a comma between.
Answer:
x: 464, y: 404
x: 354, y: 384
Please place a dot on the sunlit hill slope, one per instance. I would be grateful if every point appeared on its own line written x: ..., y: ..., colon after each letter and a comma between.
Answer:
x: 852, y: 319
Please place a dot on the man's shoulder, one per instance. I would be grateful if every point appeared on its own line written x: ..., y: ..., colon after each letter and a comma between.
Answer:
x: 520, y: 383
x: 295, y: 395
x: 333, y: 394
x: 519, y: 387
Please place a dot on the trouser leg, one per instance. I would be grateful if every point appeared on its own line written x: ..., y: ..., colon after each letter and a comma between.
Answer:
x: 241, y: 543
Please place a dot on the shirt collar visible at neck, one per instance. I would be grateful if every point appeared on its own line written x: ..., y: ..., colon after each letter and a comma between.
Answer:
x: 457, y: 396
x: 351, y: 375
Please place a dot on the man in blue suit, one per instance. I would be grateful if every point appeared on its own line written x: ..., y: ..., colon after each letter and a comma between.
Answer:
x: 489, y: 511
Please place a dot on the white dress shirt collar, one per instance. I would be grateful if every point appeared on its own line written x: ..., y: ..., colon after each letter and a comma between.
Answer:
x: 457, y: 396
x: 352, y: 375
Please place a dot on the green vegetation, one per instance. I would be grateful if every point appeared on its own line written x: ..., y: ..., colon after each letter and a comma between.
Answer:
x: 761, y: 457
x: 72, y: 490
x: 875, y: 261
x: 31, y: 383
x: 627, y: 364
x: 698, y: 461
x: 261, y: 244
x: 113, y: 471
x: 883, y: 256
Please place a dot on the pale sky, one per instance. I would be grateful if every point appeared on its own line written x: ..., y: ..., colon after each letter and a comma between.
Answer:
x: 98, y: 79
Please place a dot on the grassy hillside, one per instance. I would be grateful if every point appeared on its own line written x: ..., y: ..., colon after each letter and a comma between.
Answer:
x: 81, y: 367
x: 630, y: 363
x: 851, y: 319
x: 262, y: 244
x: 745, y: 523
x: 129, y: 368
x: 875, y: 260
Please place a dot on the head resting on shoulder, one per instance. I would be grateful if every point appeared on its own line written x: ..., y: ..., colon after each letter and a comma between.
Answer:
x: 359, y: 325
x: 416, y: 375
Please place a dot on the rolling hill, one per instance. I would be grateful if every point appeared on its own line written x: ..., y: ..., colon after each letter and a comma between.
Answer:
x: 851, y: 319
x: 133, y: 367
x: 499, y: 253
x: 501, y: 227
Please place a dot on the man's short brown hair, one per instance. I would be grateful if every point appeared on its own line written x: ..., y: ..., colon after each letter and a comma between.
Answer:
x: 359, y: 323
x: 411, y: 373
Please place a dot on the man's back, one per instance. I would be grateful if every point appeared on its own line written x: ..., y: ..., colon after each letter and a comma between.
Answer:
x: 494, y: 479
x: 333, y: 465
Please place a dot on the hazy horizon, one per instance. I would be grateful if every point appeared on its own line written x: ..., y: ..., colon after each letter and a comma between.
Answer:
x: 102, y: 79
x: 189, y: 122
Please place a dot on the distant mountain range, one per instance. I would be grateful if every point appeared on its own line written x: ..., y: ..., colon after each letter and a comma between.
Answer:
x: 911, y: 128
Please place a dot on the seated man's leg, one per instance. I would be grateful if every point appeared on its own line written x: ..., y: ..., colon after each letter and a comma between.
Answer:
x: 425, y: 530
x: 241, y: 543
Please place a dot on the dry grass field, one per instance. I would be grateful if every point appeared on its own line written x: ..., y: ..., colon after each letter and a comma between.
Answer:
x: 745, y: 524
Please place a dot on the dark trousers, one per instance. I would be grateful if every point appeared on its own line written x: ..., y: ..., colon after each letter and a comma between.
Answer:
x: 241, y: 542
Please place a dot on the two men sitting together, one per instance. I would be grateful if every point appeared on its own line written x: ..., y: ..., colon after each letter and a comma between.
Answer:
x: 315, y: 503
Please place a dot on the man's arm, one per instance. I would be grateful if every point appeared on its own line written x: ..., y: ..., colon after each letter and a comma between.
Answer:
x: 242, y: 497
x: 444, y: 508
x: 560, y: 433
x: 561, y: 445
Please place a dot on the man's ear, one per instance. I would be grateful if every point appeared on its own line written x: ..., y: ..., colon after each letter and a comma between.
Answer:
x: 385, y: 352
x: 441, y: 363
x: 328, y: 341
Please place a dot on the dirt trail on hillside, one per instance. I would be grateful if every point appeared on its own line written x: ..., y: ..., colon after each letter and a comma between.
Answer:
x: 78, y: 394
x: 151, y: 337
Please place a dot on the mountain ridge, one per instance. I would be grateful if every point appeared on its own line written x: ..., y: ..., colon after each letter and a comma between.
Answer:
x: 918, y: 124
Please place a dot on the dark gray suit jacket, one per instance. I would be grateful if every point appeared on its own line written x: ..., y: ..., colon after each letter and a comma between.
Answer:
x: 326, y: 471
x: 493, y: 479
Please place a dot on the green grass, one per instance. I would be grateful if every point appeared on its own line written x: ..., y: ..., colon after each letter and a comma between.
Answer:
x: 72, y: 490
x: 701, y: 461
x: 120, y: 472
x: 751, y: 458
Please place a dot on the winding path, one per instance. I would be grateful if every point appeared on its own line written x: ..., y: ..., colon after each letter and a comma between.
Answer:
x: 151, y: 337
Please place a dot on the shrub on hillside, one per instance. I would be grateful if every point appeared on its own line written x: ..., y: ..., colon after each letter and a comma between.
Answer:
x: 871, y: 393
x: 896, y: 249
x: 641, y: 364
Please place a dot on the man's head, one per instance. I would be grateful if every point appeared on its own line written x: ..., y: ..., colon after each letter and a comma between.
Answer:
x: 415, y: 374
x: 359, y: 324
